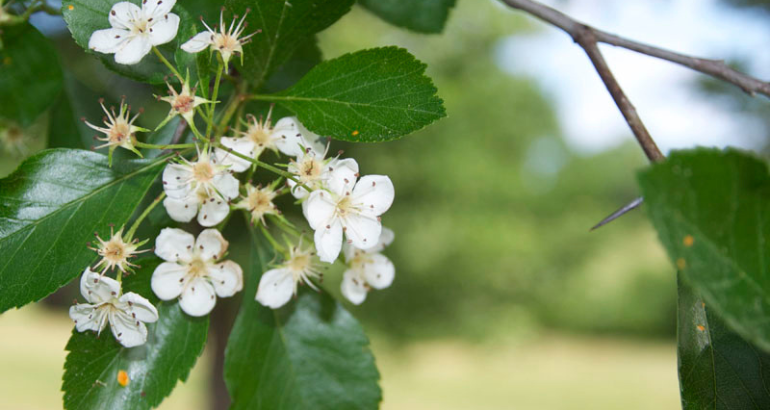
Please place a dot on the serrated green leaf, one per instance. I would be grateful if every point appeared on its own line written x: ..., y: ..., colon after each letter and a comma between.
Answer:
x: 717, y: 368
x: 286, y: 26
x: 30, y: 75
x: 50, y: 208
x: 711, y: 209
x: 310, y: 354
x: 174, y: 343
x: 83, y: 17
x: 424, y: 16
x: 65, y: 130
x: 307, y: 56
x: 369, y: 96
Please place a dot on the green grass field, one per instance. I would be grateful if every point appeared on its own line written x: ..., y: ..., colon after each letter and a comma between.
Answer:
x: 540, y: 373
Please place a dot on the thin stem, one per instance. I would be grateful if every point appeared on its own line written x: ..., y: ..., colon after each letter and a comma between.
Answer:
x: 165, y: 61
x: 214, y: 96
x: 168, y: 146
x: 232, y: 107
x: 714, y: 68
x: 269, y: 237
x: 135, y: 226
x: 264, y: 165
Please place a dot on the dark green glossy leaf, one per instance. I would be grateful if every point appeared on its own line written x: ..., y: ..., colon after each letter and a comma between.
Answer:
x: 286, y: 26
x: 173, y: 345
x: 424, y: 16
x: 50, y: 208
x: 30, y: 75
x: 307, y: 56
x: 65, y: 129
x: 83, y: 17
x: 717, y: 368
x: 369, y: 96
x: 711, y: 209
x: 310, y: 354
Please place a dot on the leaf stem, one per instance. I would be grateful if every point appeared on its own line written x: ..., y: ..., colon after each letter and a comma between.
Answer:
x: 167, y: 63
x: 169, y: 146
x: 214, y: 95
x: 138, y: 221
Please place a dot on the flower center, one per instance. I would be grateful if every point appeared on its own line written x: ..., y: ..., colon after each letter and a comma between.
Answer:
x: 183, y: 104
x: 259, y: 135
x: 259, y: 201
x: 224, y: 42
x: 203, y: 172
x: 345, y: 206
x: 119, y: 131
x: 114, y: 251
x: 310, y: 169
x: 141, y: 26
x: 198, y: 268
x: 299, y: 264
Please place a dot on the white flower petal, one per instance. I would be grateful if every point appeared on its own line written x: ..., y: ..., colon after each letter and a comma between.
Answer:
x: 176, y: 181
x: 167, y: 280
x: 227, y: 278
x: 328, y: 242
x: 181, y: 210
x: 138, y: 307
x: 319, y: 209
x: 108, y: 41
x: 122, y: 15
x: 97, y: 288
x: 276, y: 288
x: 243, y: 146
x: 163, y: 29
x: 226, y: 184
x: 213, y: 211
x: 288, y: 138
x: 133, y: 51
x: 312, y: 140
x: 210, y: 245
x: 296, y: 190
x: 343, y: 175
x: 375, y: 192
x: 198, y: 298
x: 174, y: 244
x: 386, y: 238
x: 362, y: 231
x: 86, y: 317
x: 353, y: 287
x: 379, y: 273
x: 157, y: 8
x: 198, y: 43
x: 128, y: 331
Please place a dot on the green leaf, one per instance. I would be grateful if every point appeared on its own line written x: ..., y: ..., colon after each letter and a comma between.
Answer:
x: 424, y: 16
x: 65, y: 130
x: 50, y: 208
x: 369, y: 96
x: 307, y: 56
x: 173, y: 345
x: 310, y: 354
x: 30, y: 75
x: 286, y: 26
x: 717, y: 368
x: 83, y: 17
x: 712, y: 212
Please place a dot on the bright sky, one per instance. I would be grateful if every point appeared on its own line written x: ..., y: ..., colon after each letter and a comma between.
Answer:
x: 676, y: 115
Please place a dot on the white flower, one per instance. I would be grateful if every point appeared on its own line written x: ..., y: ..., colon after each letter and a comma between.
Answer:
x: 277, y: 286
x: 351, y: 207
x: 136, y: 30
x: 183, y: 103
x: 226, y: 41
x: 116, y: 252
x: 120, y: 130
x: 191, y: 271
x: 314, y: 172
x: 288, y: 136
x: 259, y: 202
x: 368, y: 269
x: 126, y: 314
x: 201, y: 184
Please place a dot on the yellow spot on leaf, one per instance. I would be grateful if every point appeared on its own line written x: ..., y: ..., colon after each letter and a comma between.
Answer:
x: 70, y: 7
x: 681, y: 263
x: 688, y: 241
x: 123, y: 378
x: 703, y: 304
x: 701, y: 328
x: 355, y: 133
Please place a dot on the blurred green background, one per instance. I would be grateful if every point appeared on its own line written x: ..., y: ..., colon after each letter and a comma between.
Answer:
x: 503, y: 299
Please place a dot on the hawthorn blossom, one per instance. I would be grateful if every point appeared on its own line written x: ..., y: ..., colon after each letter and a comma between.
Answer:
x: 126, y: 313
x: 120, y: 130
x: 349, y: 206
x: 192, y: 271
x: 226, y: 41
x: 135, y: 30
x: 313, y: 172
x: 368, y: 269
x: 116, y: 252
x: 288, y: 136
x: 182, y: 103
x: 259, y: 202
x: 277, y: 286
x: 202, y: 188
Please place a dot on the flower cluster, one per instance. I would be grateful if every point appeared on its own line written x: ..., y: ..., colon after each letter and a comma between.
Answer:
x: 342, y: 207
